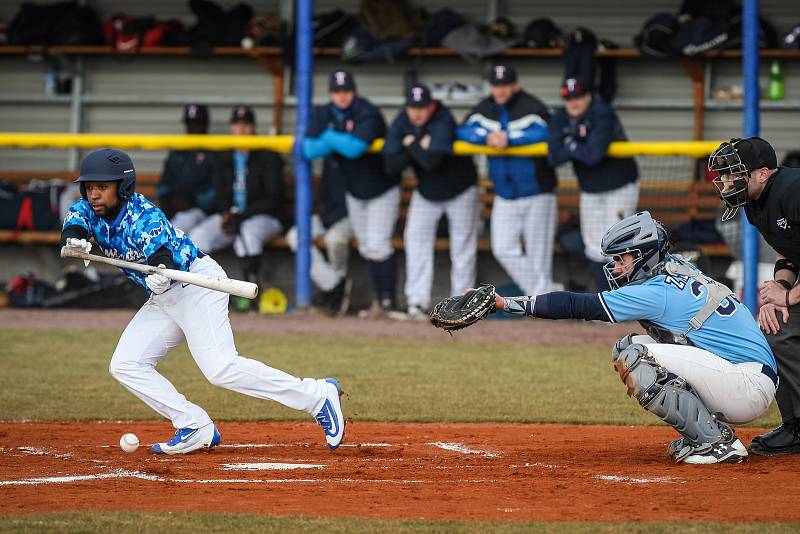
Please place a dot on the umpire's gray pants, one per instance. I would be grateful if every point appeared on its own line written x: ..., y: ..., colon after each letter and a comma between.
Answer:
x: 786, y: 347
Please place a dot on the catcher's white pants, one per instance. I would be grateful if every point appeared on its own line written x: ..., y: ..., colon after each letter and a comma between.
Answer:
x: 420, y: 238
x: 200, y: 316
x: 599, y: 211
x: 253, y: 233
x: 373, y: 223
x: 326, y: 273
x: 533, y: 219
x: 740, y: 392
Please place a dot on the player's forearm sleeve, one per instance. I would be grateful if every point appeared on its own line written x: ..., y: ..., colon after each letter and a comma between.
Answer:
x: 348, y: 145
x: 162, y: 256
x: 73, y: 231
x: 569, y: 305
x: 315, y: 148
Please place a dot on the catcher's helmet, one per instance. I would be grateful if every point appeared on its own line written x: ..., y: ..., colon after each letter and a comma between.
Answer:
x: 642, y: 236
x: 731, y: 164
x: 108, y: 165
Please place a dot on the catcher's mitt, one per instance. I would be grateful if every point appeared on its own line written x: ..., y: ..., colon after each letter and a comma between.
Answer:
x: 461, y: 311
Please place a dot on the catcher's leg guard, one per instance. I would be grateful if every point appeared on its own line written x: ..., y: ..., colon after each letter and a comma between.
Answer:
x: 668, y: 396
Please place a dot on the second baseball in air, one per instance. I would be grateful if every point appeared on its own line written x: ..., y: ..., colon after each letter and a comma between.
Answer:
x: 129, y: 442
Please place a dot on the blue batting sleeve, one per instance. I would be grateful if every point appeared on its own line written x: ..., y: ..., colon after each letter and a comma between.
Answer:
x: 636, y: 302
x: 569, y: 305
x: 315, y: 148
x: 472, y: 132
x: 535, y: 133
x: 348, y: 145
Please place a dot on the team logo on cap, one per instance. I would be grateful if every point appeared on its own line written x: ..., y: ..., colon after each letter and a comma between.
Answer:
x: 341, y: 77
x: 192, y: 112
x: 416, y: 94
x: 499, y: 72
x: 241, y: 112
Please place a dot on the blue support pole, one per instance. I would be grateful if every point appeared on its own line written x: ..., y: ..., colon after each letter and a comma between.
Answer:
x: 304, y: 68
x: 751, y: 127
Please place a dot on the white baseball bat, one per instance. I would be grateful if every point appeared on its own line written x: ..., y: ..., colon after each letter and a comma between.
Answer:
x: 239, y: 288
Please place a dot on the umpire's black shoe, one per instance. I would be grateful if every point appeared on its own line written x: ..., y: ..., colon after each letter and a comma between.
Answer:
x: 783, y: 440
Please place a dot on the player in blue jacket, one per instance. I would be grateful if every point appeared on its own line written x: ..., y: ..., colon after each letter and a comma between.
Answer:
x: 126, y: 225
x: 703, y: 365
x: 524, y: 208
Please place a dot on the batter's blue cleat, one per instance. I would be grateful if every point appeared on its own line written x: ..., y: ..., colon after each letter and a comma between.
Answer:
x: 188, y: 440
x: 330, y: 417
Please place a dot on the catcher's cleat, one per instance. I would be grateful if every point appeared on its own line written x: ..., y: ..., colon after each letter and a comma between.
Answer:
x: 331, y: 417
x: 719, y: 453
x: 188, y: 440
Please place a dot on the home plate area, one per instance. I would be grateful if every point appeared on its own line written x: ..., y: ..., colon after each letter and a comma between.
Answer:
x: 436, y: 471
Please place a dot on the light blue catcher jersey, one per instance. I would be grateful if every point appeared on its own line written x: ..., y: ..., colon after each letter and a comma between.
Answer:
x: 672, y: 301
x: 138, y: 231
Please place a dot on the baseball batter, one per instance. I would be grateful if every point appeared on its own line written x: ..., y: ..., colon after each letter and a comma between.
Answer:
x: 703, y: 365
x: 126, y: 225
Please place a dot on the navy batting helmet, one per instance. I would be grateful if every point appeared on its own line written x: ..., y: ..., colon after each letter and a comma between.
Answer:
x: 108, y: 165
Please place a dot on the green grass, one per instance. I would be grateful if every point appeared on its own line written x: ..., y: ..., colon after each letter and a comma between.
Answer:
x: 63, y: 375
x: 122, y: 522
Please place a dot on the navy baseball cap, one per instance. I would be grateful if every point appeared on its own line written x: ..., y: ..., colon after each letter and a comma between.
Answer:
x: 243, y: 114
x: 341, y: 80
x: 573, y: 88
x: 195, y: 113
x: 418, y: 96
x: 502, y: 75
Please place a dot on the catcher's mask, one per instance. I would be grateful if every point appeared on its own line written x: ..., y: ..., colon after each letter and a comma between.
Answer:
x: 730, y: 166
x: 641, y: 236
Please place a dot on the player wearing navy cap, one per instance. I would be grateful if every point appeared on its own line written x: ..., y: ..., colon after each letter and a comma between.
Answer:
x: 421, y: 137
x: 703, y: 365
x: 124, y: 224
x: 341, y: 132
x: 524, y: 204
x: 580, y: 132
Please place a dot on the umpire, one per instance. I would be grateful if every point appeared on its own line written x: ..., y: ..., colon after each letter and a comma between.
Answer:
x: 747, y: 175
x: 421, y: 137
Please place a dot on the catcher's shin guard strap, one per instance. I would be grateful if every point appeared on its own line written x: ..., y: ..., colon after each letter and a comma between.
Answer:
x: 519, y: 305
x: 666, y: 394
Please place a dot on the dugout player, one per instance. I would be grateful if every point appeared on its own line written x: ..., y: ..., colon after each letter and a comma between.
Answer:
x: 341, y: 132
x: 580, y: 132
x: 703, y: 365
x: 249, y: 199
x: 524, y: 202
x: 421, y: 137
x: 747, y: 175
x: 185, y: 192
x: 126, y: 225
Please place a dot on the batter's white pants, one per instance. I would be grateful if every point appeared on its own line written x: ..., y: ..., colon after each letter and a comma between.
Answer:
x: 598, y: 211
x: 420, y: 239
x: 326, y: 273
x: 373, y: 223
x: 200, y: 316
x: 532, y: 219
x: 254, y: 232
x: 188, y: 219
x: 740, y: 392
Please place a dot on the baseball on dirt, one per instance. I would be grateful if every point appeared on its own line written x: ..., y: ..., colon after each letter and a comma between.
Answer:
x: 129, y: 442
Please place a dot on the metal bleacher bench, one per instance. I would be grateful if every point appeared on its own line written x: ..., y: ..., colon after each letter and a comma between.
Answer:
x: 673, y: 203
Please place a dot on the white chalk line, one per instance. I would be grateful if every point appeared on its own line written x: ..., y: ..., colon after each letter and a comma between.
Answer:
x: 119, y: 473
x: 463, y: 449
x: 271, y: 445
x: 635, y: 480
x: 268, y: 466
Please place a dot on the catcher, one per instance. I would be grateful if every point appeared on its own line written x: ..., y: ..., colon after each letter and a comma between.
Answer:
x: 703, y: 365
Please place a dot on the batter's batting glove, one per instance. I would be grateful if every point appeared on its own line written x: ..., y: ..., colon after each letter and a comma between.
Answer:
x: 80, y: 244
x: 157, y: 283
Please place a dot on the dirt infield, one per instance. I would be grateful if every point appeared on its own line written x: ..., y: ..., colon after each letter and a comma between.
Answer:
x: 434, y: 471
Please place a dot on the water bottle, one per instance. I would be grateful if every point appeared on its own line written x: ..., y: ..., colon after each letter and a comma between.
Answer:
x: 775, y: 87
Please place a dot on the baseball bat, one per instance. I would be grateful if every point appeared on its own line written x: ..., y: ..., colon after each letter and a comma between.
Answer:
x: 239, y: 288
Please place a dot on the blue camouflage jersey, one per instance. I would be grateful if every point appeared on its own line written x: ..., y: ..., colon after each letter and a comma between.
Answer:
x: 672, y: 301
x: 138, y: 231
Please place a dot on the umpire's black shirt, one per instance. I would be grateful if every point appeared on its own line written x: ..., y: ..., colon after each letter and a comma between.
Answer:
x: 776, y: 213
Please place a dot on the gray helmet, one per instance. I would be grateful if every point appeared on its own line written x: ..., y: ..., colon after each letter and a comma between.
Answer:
x: 642, y: 236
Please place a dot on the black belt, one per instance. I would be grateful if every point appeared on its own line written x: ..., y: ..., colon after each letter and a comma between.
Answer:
x: 767, y: 370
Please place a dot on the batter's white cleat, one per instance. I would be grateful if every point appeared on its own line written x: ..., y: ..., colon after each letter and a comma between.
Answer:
x: 188, y: 440
x: 330, y: 417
